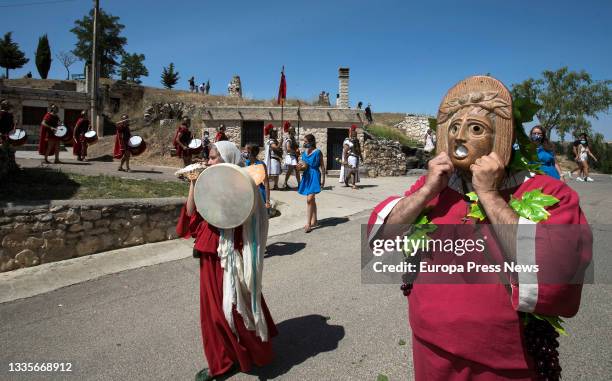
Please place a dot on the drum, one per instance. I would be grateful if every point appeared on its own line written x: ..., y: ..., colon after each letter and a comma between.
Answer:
x: 91, y: 137
x: 195, y: 146
x: 225, y: 195
x: 136, y: 145
x: 63, y: 133
x: 18, y: 137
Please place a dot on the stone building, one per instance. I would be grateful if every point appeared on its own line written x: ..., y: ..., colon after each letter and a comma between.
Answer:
x: 30, y: 104
x: 415, y: 126
x: 245, y: 124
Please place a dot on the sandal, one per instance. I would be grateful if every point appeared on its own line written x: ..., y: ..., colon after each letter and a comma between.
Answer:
x: 203, y: 375
x: 232, y: 371
x: 307, y: 229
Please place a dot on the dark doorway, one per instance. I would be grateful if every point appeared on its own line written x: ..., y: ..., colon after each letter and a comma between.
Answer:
x: 71, y: 116
x: 32, y: 116
x: 335, y: 138
x: 252, y: 132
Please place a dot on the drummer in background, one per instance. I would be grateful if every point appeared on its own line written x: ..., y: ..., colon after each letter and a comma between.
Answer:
x: 79, y: 148
x: 182, y: 137
x: 221, y: 134
x: 7, y: 125
x: 49, y: 143
x: 122, y: 138
x: 252, y: 150
x: 227, y: 351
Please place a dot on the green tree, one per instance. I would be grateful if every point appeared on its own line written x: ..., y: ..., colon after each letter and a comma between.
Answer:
x: 110, y: 41
x: 132, y: 67
x: 43, y: 57
x: 603, y: 152
x: 566, y: 98
x: 169, y: 77
x: 10, y: 55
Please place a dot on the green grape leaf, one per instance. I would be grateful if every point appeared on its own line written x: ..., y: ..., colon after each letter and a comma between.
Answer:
x: 472, y: 196
x: 476, y: 212
x: 555, y: 321
x: 520, y: 163
x: 532, y: 205
x: 382, y: 377
x: 421, y: 220
x: 524, y: 109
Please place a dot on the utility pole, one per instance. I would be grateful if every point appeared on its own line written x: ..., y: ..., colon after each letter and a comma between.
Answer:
x: 95, y: 71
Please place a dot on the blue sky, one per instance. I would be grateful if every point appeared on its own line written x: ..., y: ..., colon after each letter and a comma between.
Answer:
x: 403, y: 55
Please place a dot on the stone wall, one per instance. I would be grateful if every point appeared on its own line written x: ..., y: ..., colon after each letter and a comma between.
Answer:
x: 35, y: 234
x: 384, y: 158
x: 415, y: 126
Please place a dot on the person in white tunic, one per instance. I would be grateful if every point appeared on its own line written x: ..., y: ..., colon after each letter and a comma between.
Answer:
x: 291, y: 149
x: 353, y: 157
x: 273, y: 154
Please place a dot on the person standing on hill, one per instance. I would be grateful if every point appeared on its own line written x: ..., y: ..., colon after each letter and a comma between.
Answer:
x: 368, y: 113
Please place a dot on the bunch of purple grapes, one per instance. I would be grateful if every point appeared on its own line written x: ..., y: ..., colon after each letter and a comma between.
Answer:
x: 406, y: 288
x: 542, y: 346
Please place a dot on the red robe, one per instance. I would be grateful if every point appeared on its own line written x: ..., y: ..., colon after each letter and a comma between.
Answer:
x: 220, y: 136
x: 222, y: 347
x: 79, y: 148
x: 7, y: 125
x: 182, y: 135
x: 121, y: 140
x: 46, y: 134
x: 473, y: 331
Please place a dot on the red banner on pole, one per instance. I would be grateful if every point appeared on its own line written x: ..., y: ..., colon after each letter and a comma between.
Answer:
x: 282, y: 89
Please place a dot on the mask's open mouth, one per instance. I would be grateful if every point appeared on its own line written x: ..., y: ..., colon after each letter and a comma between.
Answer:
x: 461, y: 152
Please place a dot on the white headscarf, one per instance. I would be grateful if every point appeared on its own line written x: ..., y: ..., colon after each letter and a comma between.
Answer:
x: 229, y: 152
x: 242, y: 273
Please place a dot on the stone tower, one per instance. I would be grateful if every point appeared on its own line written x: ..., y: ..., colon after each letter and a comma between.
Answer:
x: 343, y: 87
x: 234, y: 89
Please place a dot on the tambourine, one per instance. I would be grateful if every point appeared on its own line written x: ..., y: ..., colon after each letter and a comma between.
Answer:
x: 225, y: 194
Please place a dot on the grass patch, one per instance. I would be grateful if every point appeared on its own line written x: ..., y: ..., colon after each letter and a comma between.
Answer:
x: 391, y: 133
x: 37, y: 184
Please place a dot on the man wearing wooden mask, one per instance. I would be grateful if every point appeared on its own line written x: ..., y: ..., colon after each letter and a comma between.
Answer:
x: 489, y: 331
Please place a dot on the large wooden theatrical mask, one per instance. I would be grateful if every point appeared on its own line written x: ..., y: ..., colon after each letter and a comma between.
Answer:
x: 475, y: 119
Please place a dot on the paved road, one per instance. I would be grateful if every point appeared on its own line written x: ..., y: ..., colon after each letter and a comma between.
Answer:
x: 142, y: 324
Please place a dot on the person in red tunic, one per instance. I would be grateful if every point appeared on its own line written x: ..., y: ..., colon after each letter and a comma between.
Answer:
x: 227, y: 350
x: 477, y: 331
x: 181, y: 140
x: 79, y: 147
x: 221, y: 134
x: 122, y: 138
x: 49, y: 143
x: 7, y: 125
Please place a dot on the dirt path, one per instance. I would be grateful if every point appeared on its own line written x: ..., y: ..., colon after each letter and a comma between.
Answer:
x: 97, y: 166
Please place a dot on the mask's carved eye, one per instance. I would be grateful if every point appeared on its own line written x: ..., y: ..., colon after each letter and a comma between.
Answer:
x: 476, y: 129
x: 453, y: 129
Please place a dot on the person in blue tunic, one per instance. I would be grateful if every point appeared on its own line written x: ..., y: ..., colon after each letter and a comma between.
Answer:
x: 252, y: 150
x: 313, y: 179
x: 546, y: 153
